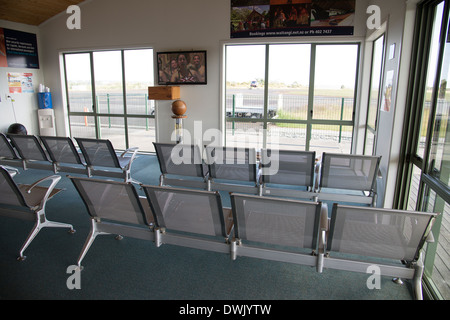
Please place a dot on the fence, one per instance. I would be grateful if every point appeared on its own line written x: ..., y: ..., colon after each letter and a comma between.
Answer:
x: 282, y: 107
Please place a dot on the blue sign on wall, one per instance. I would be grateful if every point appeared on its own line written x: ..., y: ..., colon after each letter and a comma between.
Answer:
x: 18, y: 49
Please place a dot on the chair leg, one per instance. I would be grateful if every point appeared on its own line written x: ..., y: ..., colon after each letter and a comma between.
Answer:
x: 128, y: 178
x: 41, y: 222
x: 134, y: 181
x: 54, y: 224
x: 89, y: 241
x: 417, y: 280
x: 92, y: 235
x: 31, y: 236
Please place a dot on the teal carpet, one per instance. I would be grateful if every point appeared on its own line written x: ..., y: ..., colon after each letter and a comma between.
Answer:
x: 136, y: 269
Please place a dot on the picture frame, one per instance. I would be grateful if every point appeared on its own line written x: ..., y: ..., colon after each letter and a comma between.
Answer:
x: 182, y: 67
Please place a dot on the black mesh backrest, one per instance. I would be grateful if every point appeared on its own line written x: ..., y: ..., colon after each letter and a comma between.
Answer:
x: 179, y: 159
x: 111, y: 200
x: 98, y: 152
x: 61, y: 149
x: 6, y: 149
x: 353, y: 172
x: 187, y: 210
x: 288, y: 167
x: 9, y: 192
x: 276, y: 221
x: 28, y: 147
x: 378, y: 232
x: 231, y: 163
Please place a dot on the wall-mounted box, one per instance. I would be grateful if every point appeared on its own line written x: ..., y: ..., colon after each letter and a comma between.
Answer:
x: 164, y: 93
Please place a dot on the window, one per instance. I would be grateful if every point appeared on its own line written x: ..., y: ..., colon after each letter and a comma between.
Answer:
x: 374, y: 95
x: 291, y: 96
x: 107, y: 96
x: 424, y: 179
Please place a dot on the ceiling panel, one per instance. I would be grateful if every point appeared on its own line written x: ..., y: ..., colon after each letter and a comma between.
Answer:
x: 33, y: 12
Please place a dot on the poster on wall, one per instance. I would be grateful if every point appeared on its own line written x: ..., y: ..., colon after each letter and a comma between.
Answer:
x: 286, y: 18
x: 20, y: 82
x: 18, y: 49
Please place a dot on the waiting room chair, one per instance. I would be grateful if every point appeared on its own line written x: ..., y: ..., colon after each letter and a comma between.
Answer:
x: 114, y: 208
x: 63, y: 154
x: 190, y: 217
x: 357, y: 235
x: 277, y: 228
x: 30, y: 151
x: 6, y: 149
x: 232, y: 169
x: 101, y: 153
x: 28, y: 202
x: 181, y: 165
x: 349, y: 178
x: 287, y: 173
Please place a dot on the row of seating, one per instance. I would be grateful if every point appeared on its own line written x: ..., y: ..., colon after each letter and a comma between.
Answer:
x: 298, y: 174
x: 275, y: 172
x: 279, y: 229
x: 93, y: 157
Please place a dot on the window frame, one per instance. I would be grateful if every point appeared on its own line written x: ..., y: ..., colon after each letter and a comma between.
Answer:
x: 368, y: 128
x: 412, y: 166
x: 96, y: 113
x: 310, y: 121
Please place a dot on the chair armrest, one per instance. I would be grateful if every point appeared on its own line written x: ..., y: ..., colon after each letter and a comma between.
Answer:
x: 379, y: 174
x: 430, y: 238
x: 324, y: 227
x: 317, y: 165
x: 54, y: 178
x: 228, y: 219
x: 12, y: 171
x: 324, y: 220
x: 132, y: 150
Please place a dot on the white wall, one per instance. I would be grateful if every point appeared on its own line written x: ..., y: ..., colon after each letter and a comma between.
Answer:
x: 400, y: 26
x: 164, y: 25
x: 25, y: 105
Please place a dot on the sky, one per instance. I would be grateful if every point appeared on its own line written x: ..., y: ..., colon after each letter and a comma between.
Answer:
x: 139, y: 65
x: 289, y: 63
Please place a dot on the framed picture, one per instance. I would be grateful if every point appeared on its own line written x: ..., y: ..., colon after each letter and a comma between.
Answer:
x: 181, y: 67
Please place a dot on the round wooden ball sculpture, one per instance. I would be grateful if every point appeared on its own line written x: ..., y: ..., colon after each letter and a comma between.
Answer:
x: 179, y: 108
